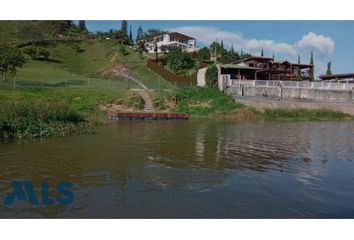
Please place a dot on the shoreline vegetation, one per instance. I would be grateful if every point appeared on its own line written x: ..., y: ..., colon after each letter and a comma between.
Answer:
x: 62, y: 87
x: 31, y: 113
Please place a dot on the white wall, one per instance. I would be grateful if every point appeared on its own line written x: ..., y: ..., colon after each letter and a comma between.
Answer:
x: 201, y: 77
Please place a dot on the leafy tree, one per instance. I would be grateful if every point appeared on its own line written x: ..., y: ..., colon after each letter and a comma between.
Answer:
x: 120, y: 36
x: 329, y: 68
x: 211, y: 76
x: 16, y: 60
x: 179, y: 60
x: 141, y: 46
x: 4, y: 60
x: 152, y: 33
x: 36, y: 52
x: 204, y: 53
x: 82, y: 25
x: 246, y: 55
x: 11, y: 58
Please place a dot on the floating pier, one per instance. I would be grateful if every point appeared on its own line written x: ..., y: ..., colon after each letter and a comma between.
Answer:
x: 147, y: 116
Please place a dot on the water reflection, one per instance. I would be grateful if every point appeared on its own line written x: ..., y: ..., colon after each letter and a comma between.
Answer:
x: 191, y: 169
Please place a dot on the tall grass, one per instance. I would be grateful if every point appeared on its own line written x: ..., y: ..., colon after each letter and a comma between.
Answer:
x: 204, y: 101
x: 303, y: 114
x: 19, y: 119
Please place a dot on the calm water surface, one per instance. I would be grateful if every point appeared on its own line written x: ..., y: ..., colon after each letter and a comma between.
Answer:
x: 190, y: 170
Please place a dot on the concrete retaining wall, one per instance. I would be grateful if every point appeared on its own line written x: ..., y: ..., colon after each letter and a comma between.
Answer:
x: 261, y: 104
x: 325, y: 95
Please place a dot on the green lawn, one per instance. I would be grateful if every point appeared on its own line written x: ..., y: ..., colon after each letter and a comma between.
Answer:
x: 67, y: 68
x: 137, y: 63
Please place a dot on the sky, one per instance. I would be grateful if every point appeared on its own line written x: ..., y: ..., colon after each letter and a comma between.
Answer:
x: 329, y: 40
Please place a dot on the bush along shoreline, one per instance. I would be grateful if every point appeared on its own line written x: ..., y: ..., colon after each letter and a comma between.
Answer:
x: 21, y: 120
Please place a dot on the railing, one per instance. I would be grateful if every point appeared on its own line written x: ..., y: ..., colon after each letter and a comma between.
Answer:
x: 294, y: 84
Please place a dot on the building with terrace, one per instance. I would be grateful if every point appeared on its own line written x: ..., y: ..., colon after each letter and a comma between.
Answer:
x: 268, y: 69
x: 171, y: 40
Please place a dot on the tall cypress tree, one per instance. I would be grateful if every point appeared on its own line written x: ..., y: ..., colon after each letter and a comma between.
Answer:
x: 131, y: 41
x: 273, y: 56
x: 312, y: 62
x: 329, y: 68
x: 140, y: 33
x: 298, y: 59
x: 124, y: 29
x: 262, y: 54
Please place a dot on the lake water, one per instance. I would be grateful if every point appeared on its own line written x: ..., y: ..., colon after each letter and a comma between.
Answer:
x: 190, y: 169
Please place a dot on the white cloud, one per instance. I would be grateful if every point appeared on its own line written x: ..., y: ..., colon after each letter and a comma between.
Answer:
x: 322, y: 45
x: 207, y: 35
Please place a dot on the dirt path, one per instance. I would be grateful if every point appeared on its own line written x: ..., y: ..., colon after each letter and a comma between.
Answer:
x: 149, y: 105
x: 120, y: 70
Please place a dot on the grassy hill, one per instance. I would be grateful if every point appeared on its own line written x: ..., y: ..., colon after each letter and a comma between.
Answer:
x: 66, y: 67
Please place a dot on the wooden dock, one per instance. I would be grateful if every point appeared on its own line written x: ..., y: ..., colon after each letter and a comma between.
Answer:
x: 147, y: 116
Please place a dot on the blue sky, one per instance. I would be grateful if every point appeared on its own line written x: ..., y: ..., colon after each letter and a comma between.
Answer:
x: 329, y: 40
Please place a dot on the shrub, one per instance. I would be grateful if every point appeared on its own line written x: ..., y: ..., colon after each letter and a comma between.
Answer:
x: 36, y: 52
x: 179, y: 60
x: 122, y: 50
x: 211, y: 76
x: 77, y: 48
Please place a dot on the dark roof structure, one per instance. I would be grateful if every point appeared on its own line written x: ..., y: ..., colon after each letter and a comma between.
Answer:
x: 178, y: 35
x: 338, y: 76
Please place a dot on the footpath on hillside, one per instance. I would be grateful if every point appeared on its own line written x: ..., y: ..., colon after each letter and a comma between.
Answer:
x: 120, y: 70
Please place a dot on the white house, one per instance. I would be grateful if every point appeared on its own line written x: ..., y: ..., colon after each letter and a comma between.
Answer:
x: 172, y: 40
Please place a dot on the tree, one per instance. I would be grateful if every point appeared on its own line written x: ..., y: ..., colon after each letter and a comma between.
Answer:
x: 273, y: 57
x: 204, y: 54
x: 262, y: 54
x: 298, y: 59
x: 311, y: 69
x: 211, y: 76
x: 131, y: 41
x: 179, y: 60
x: 16, y: 60
x: 82, y: 25
x: 140, y: 34
x: 232, y: 49
x: 141, y: 46
x: 119, y: 36
x: 36, y: 52
x: 124, y: 29
x: 4, y: 60
x: 329, y: 68
x: 11, y: 58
